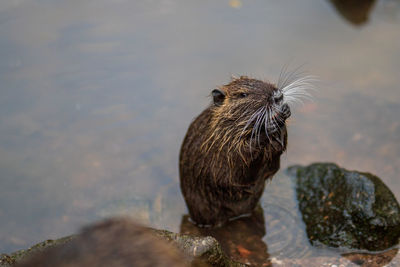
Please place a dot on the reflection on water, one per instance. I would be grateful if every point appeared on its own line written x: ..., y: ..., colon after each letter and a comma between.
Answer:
x: 276, y: 230
x: 241, y: 239
x: 265, y: 233
x: 96, y: 97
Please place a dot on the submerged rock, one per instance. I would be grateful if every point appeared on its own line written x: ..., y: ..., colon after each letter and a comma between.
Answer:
x: 344, y: 208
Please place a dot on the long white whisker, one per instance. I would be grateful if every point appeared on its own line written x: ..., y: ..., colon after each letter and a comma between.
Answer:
x: 261, y: 124
x: 255, y: 116
x: 298, y: 90
x: 274, y: 123
x: 278, y: 118
x: 302, y: 81
x: 252, y: 118
x: 288, y: 77
x: 266, y: 123
x: 256, y: 125
x: 282, y: 76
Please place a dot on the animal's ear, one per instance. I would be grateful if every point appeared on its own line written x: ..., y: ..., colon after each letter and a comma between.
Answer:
x: 218, y: 97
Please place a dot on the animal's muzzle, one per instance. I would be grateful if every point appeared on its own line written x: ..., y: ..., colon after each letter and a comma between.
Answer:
x: 285, y: 111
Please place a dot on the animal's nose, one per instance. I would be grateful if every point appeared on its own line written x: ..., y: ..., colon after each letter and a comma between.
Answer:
x: 278, y: 96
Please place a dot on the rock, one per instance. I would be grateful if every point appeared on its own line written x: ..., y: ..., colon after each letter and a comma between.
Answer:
x: 240, y: 239
x: 386, y: 258
x: 9, y: 260
x: 200, y: 251
x: 344, y: 208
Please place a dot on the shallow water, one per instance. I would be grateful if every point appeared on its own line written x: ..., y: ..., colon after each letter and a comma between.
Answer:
x: 96, y: 97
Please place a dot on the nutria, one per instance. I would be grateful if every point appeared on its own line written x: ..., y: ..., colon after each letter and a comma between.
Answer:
x: 234, y: 146
x: 116, y: 242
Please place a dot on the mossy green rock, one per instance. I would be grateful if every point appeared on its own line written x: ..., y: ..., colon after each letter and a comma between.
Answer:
x: 344, y: 208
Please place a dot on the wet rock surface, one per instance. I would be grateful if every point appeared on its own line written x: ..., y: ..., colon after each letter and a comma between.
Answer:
x: 200, y: 251
x: 346, y: 209
x: 10, y: 259
x: 206, y: 251
x: 388, y: 259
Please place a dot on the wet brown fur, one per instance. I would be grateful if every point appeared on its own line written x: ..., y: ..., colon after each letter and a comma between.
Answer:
x: 113, y: 243
x: 222, y: 169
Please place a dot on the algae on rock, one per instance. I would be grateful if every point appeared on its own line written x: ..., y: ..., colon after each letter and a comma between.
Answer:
x: 344, y: 208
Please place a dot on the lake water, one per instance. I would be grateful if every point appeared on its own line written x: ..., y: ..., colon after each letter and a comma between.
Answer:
x: 96, y: 96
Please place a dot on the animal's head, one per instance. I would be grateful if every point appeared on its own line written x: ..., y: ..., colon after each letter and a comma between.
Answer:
x: 254, y: 106
x: 249, y: 113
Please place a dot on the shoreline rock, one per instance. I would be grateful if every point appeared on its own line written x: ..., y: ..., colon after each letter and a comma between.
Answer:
x: 346, y: 209
x: 201, y: 251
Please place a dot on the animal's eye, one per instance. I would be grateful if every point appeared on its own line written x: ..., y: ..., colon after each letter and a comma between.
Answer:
x: 242, y: 95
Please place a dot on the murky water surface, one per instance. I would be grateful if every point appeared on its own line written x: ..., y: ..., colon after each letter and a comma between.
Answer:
x: 96, y: 96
